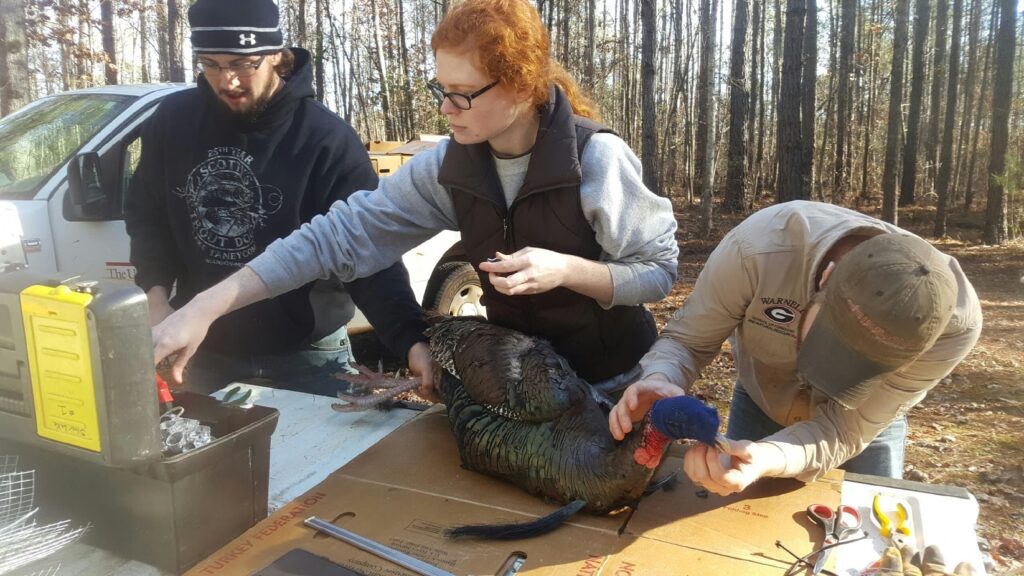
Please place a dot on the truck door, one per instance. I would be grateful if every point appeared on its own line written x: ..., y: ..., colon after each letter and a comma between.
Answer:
x: 35, y: 145
x: 98, y: 246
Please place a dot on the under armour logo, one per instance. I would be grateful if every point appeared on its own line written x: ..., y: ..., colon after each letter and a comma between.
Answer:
x: 249, y: 39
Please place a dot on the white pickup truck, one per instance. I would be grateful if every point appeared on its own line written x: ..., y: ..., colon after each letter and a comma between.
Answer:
x: 65, y: 165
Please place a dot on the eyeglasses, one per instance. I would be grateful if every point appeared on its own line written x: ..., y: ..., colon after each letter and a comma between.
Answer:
x: 238, y: 70
x: 458, y: 99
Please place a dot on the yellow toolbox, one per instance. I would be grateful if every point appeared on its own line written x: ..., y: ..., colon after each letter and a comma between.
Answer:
x: 79, y: 405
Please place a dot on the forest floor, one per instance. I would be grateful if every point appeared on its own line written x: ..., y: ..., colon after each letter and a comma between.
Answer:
x: 969, y: 430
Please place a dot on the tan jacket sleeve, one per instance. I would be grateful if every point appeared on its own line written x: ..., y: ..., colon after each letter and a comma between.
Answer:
x: 694, y: 335
x: 835, y: 434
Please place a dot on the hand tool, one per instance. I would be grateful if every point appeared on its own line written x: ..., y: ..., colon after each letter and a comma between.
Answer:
x: 899, y: 533
x: 838, y: 525
x: 376, y: 548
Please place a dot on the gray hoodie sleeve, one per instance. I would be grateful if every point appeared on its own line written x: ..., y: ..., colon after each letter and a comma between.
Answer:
x: 635, y: 228
x: 365, y: 234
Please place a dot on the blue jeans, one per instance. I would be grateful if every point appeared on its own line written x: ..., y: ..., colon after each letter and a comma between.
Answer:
x: 882, y: 457
x: 314, y: 370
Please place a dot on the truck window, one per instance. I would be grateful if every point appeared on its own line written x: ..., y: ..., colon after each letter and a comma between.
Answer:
x: 132, y: 155
x: 39, y: 140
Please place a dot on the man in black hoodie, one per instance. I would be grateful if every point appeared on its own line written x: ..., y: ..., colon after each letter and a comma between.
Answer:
x: 227, y: 167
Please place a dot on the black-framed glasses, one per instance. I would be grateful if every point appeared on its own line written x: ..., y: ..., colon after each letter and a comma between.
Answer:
x: 238, y: 69
x: 458, y: 99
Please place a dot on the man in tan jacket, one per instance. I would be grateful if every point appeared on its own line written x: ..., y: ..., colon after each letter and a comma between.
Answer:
x: 839, y: 323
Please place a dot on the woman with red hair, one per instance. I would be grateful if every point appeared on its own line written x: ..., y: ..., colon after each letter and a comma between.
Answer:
x: 552, y: 209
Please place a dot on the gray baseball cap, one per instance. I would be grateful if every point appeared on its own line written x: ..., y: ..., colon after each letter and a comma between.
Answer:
x: 885, y: 303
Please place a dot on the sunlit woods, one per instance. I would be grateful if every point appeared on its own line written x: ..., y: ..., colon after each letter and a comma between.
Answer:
x: 890, y: 103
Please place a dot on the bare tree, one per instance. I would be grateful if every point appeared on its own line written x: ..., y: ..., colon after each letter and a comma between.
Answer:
x: 175, y: 66
x: 789, y: 185
x: 733, y: 198
x: 161, y: 41
x: 995, y: 217
x: 921, y: 17
x: 931, y: 143
x: 380, y: 63
x: 300, y: 23
x: 318, y: 59
x: 808, y: 89
x: 107, y: 31
x: 13, y: 59
x: 976, y: 136
x: 649, y: 140
x: 848, y: 15
x: 143, y: 9
x: 704, y: 165
x: 892, y: 138
x: 946, y: 154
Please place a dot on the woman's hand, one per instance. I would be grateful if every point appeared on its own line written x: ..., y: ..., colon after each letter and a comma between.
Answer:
x: 422, y: 365
x: 637, y: 400
x: 733, y: 470
x: 527, y: 271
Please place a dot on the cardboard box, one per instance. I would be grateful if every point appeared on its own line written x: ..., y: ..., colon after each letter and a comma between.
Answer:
x: 385, y: 164
x: 407, y: 489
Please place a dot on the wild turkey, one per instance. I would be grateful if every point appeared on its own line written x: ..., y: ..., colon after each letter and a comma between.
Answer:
x: 519, y: 412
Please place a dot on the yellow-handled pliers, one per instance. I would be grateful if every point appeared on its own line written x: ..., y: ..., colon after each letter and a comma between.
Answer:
x: 898, y: 533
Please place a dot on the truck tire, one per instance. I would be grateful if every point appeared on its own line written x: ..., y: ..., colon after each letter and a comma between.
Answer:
x: 455, y: 291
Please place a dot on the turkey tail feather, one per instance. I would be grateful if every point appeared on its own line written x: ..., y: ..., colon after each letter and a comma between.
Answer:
x: 517, y: 531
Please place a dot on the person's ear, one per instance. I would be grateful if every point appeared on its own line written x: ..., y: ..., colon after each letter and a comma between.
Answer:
x: 826, y: 274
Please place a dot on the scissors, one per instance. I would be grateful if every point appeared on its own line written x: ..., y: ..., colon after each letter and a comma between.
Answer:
x: 899, y: 533
x: 838, y: 525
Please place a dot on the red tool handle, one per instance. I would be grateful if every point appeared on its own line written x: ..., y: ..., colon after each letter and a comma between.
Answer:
x: 163, y: 391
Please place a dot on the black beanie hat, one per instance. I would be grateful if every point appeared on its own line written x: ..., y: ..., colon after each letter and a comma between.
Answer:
x: 235, y: 27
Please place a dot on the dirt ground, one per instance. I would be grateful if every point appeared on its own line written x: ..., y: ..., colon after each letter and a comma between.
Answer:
x: 969, y: 431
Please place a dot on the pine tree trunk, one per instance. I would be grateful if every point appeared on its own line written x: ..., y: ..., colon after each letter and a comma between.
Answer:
x: 107, y: 32
x: 865, y: 189
x: 946, y: 154
x: 908, y: 179
x: 938, y: 85
x: 704, y: 157
x: 175, y: 64
x: 649, y: 140
x: 808, y: 89
x: 976, y: 137
x: 380, y: 64
x: 848, y: 19
x: 300, y: 23
x: 410, y: 109
x: 590, y: 56
x: 1002, y: 79
x: 83, y: 51
x: 144, y: 42
x: 762, y: 115
x: 733, y: 198
x: 789, y: 185
x: 318, y: 58
x: 13, y: 58
x: 892, y: 137
x: 974, y: 33
x: 776, y: 89
x: 161, y: 41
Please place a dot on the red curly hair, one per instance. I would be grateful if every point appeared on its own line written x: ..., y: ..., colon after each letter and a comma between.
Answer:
x: 512, y: 46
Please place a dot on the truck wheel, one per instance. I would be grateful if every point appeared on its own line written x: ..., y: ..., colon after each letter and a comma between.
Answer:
x: 456, y: 292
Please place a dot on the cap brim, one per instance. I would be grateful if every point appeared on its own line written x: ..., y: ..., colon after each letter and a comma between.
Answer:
x: 833, y: 368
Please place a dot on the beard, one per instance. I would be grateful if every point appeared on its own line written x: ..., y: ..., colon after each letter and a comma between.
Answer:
x: 254, y: 110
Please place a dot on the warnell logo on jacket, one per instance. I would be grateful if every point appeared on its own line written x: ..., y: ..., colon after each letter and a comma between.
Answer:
x: 227, y: 206
x: 777, y: 314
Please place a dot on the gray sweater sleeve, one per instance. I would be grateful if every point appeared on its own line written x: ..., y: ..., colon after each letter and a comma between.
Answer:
x: 635, y: 228
x: 365, y: 234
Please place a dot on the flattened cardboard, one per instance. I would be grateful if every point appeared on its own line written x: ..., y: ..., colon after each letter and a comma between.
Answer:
x: 404, y: 491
